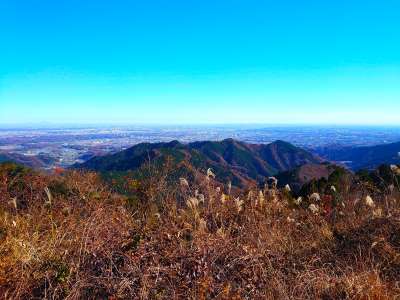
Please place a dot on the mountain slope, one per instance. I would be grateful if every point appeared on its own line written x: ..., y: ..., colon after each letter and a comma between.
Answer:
x: 299, y: 176
x: 366, y: 157
x: 230, y: 159
x: 29, y: 161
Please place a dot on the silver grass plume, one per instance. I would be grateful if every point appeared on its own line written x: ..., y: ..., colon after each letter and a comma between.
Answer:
x: 49, y: 196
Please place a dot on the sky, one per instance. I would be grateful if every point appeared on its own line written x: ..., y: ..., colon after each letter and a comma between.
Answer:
x: 191, y: 62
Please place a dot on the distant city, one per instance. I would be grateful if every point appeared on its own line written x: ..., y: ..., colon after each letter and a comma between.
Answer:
x: 68, y: 145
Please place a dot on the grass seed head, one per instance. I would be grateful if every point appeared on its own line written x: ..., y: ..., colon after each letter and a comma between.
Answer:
x: 315, y: 197
x: 184, y: 182
x: 210, y: 173
x: 313, y: 208
x: 369, y: 202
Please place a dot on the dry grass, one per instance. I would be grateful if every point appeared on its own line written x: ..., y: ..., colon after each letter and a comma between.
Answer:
x: 87, y: 242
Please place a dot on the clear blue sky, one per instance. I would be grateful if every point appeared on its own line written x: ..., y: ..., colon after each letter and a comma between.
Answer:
x: 206, y: 61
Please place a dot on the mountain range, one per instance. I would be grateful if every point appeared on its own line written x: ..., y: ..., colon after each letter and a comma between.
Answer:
x: 369, y: 157
x: 231, y: 160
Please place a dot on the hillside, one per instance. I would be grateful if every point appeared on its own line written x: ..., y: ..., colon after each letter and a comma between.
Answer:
x: 364, y: 157
x: 29, y: 161
x: 69, y: 236
x: 299, y: 176
x: 231, y: 160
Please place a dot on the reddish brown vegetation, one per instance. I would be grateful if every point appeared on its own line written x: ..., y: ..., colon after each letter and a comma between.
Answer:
x: 86, y: 242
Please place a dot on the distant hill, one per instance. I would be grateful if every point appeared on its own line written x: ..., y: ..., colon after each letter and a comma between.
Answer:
x: 240, y: 162
x: 299, y: 176
x: 29, y: 161
x: 365, y: 157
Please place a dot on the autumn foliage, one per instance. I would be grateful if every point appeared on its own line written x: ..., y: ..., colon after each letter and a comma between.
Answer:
x: 72, y: 236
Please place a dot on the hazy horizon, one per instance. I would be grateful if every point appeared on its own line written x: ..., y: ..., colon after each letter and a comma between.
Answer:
x: 55, y: 125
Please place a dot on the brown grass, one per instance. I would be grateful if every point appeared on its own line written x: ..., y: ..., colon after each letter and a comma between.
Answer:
x: 92, y: 243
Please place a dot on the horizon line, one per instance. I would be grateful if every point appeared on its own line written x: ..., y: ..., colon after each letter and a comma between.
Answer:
x: 167, y: 124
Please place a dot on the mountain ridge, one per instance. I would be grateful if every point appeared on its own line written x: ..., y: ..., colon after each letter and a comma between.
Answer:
x: 231, y: 160
x: 366, y: 157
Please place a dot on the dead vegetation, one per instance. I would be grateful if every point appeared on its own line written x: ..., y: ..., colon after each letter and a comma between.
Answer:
x: 69, y: 236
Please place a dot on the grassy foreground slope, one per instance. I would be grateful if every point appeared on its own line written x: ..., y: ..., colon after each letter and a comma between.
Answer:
x: 70, y: 236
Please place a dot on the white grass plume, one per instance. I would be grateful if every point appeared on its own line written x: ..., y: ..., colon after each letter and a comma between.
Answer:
x: 49, y: 196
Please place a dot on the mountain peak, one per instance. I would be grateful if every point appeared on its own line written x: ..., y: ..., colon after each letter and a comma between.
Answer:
x: 282, y: 143
x: 230, y: 140
x: 174, y: 143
